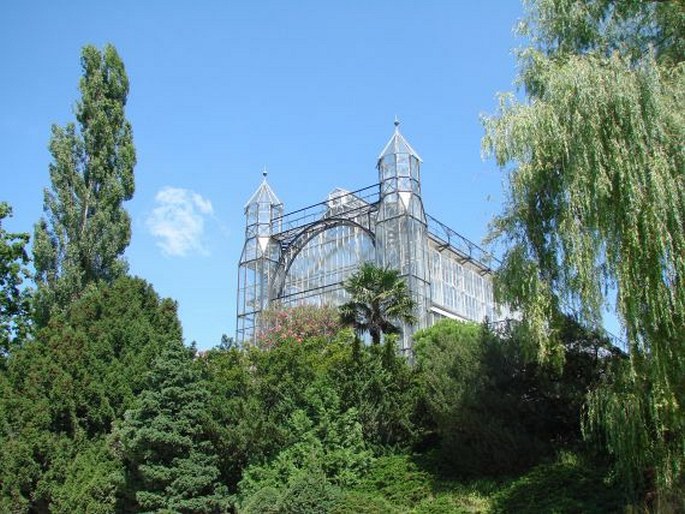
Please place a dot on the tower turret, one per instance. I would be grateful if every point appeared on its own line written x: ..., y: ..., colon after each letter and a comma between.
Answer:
x: 401, y: 241
x: 258, y: 260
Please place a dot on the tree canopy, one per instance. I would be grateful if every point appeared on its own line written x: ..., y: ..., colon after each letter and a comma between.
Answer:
x: 63, y: 389
x: 170, y: 463
x: 86, y: 230
x: 596, y: 202
x: 14, y: 298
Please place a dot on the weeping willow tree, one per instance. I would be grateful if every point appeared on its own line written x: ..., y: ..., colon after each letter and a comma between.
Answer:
x: 595, y: 214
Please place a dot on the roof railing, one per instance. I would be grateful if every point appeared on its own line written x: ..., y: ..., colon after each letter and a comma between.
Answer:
x: 307, y: 215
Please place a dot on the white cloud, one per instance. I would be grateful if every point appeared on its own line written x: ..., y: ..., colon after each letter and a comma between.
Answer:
x: 178, y: 220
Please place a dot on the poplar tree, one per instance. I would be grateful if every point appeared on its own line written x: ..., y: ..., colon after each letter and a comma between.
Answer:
x: 85, y: 230
x: 596, y: 204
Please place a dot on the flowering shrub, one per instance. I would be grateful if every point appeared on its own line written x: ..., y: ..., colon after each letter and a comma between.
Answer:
x: 297, y: 324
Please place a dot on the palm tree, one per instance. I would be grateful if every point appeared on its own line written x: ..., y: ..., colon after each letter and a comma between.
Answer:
x: 380, y: 298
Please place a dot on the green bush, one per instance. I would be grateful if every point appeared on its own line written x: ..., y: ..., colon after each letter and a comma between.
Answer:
x: 493, y: 410
x: 306, y: 493
x: 309, y: 494
x: 467, y: 379
x: 399, y: 480
x: 265, y: 501
x: 359, y: 502
x: 443, y: 504
x: 569, y: 485
x: 380, y: 384
x: 64, y: 389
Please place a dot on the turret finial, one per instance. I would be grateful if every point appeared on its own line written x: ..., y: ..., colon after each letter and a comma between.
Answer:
x: 397, y: 121
x: 264, y: 172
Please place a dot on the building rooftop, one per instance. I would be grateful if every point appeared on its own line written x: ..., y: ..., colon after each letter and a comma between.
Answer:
x: 263, y: 194
x: 398, y: 144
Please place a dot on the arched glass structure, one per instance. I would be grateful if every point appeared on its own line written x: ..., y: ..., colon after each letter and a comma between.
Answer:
x: 305, y: 255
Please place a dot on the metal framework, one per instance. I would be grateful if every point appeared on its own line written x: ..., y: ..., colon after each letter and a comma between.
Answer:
x: 304, y: 256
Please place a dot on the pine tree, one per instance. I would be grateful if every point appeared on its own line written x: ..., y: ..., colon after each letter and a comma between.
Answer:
x: 171, y: 466
x: 86, y: 230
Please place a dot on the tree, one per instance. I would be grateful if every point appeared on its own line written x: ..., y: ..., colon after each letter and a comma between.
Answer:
x: 325, y: 443
x: 380, y: 384
x: 92, y: 478
x: 477, y: 431
x: 380, y: 298
x: 233, y: 411
x: 596, y: 202
x: 171, y: 466
x: 14, y: 300
x: 62, y: 390
x: 86, y: 230
x: 496, y: 411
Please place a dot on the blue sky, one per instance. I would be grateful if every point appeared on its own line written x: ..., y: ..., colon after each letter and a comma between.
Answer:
x: 219, y: 90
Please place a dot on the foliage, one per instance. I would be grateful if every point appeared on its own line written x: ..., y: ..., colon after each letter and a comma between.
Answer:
x: 91, y: 482
x: 170, y: 466
x: 323, y: 441
x: 309, y: 494
x: 622, y: 418
x: 568, y: 485
x: 380, y: 384
x: 237, y: 424
x: 14, y: 299
x: 404, y: 483
x: 278, y: 325
x: 319, y: 405
x: 352, y: 501
x: 379, y: 299
x: 282, y: 377
x: 254, y: 394
x: 305, y: 494
x: 495, y: 411
x: 399, y: 480
x: 294, y: 425
x: 87, y: 230
x: 265, y: 501
x: 448, y: 357
x: 66, y: 387
x: 456, y: 498
x: 478, y: 415
x: 596, y: 203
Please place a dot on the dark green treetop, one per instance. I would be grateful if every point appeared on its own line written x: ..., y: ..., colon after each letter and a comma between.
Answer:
x: 171, y: 465
x: 62, y: 390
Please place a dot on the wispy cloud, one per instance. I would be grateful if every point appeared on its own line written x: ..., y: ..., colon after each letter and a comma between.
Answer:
x: 178, y: 220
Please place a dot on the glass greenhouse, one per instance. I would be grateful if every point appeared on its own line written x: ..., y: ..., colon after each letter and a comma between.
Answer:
x: 304, y: 256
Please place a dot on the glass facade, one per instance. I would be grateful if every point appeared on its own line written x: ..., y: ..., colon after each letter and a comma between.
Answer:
x: 304, y: 256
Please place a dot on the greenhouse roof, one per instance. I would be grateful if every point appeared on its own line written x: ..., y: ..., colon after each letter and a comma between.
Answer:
x: 398, y: 145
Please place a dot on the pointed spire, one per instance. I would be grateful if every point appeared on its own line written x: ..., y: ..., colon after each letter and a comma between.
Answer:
x: 398, y: 144
x: 264, y: 193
